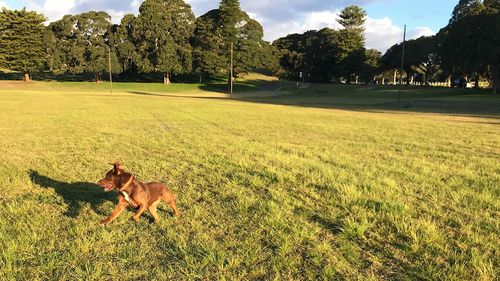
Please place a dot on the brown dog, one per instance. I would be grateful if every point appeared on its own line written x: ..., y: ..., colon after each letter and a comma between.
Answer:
x: 138, y: 195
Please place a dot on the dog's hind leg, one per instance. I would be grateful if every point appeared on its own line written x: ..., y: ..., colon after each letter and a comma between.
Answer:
x: 168, y: 196
x: 172, y: 205
x: 152, y: 210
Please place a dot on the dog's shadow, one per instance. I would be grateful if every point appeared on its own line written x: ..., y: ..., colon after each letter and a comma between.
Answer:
x: 76, y: 194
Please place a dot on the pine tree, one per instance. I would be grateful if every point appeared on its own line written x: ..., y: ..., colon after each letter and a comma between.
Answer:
x: 230, y: 17
x: 351, y: 42
x: 21, y: 41
x: 352, y: 18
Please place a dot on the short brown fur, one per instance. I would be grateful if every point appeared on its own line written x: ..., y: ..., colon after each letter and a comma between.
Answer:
x: 141, y: 196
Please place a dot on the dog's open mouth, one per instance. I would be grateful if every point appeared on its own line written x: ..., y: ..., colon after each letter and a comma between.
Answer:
x: 108, y: 187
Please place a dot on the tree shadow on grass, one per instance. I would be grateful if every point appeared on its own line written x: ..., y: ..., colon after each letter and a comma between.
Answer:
x: 176, y: 96
x: 76, y: 194
x: 454, y: 103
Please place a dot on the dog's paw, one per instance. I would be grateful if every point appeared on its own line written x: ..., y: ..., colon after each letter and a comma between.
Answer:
x: 104, y: 221
x: 136, y: 220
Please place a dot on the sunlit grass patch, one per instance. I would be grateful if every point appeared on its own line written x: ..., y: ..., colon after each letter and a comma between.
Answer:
x: 266, y: 190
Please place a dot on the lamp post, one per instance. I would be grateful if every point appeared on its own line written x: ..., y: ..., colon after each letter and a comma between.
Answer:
x: 402, y: 65
x: 110, y: 73
x: 231, y: 78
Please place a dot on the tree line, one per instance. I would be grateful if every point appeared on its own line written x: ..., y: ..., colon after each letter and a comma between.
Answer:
x: 165, y: 37
x: 467, y: 49
x: 329, y: 55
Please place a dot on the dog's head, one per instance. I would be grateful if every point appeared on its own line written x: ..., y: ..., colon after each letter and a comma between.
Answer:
x: 113, y: 178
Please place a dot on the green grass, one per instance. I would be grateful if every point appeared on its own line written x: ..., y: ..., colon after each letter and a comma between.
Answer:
x: 326, y: 183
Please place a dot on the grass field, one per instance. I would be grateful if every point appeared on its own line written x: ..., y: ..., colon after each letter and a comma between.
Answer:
x: 326, y: 182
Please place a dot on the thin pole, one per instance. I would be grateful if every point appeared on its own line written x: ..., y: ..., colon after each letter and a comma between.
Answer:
x: 231, y: 78
x: 110, y: 74
x: 402, y: 64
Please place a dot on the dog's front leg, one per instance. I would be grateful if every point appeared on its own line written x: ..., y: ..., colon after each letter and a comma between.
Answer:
x: 139, y: 212
x: 119, y: 208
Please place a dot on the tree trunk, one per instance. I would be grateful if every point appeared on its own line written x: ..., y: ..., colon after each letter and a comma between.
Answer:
x: 97, y: 77
x: 383, y: 80
x: 495, y: 73
x: 166, y: 78
x: 476, y: 86
x: 448, y: 81
x: 395, y: 76
x: 27, y: 76
x: 426, y: 79
x: 229, y: 81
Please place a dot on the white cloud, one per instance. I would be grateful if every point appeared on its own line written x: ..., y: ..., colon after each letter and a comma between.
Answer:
x: 311, y: 21
x: 420, y: 31
x: 55, y: 9
x: 116, y: 16
x: 135, y: 5
x: 381, y: 34
x: 319, y: 20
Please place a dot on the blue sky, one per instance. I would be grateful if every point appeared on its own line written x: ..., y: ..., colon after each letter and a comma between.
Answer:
x: 432, y: 13
x: 281, y: 17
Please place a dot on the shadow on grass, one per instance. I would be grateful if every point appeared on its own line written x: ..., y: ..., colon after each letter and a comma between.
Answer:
x: 176, y: 96
x: 449, y: 102
x: 75, y: 194
x: 333, y: 227
x: 470, y: 102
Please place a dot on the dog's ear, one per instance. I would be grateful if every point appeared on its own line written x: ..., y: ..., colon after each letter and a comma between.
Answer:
x: 118, y: 168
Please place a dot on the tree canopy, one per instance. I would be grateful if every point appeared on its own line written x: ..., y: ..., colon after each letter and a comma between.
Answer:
x: 22, y: 41
x: 214, y: 34
x: 470, y: 42
x: 161, y: 35
x: 80, y: 43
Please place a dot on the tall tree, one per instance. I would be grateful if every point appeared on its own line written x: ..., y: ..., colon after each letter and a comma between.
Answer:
x: 353, y: 18
x: 207, y: 57
x: 370, y: 65
x: 161, y: 34
x: 352, y: 41
x: 470, y: 41
x: 21, y: 41
x: 81, y: 44
x: 230, y: 17
x: 466, y: 8
x: 214, y: 34
x: 291, y: 55
x: 121, y: 39
x: 313, y: 53
x: 421, y: 56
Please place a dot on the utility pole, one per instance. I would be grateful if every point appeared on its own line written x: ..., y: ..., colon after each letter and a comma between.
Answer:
x: 110, y: 74
x: 231, y: 78
x: 402, y: 65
